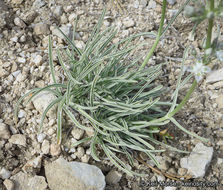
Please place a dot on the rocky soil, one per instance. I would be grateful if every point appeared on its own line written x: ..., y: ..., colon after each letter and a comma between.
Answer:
x: 29, y: 161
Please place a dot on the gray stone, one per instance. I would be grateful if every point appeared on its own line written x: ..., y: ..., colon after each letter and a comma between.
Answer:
x: 45, y: 147
x: 219, y: 101
x: 215, y: 76
x: 113, y: 177
x: 66, y: 29
x: 58, y: 11
x: 171, y: 2
x: 19, y: 22
x: 198, y: 160
x: 23, y: 181
x: 9, y: 184
x: 29, y: 16
x: 143, y: 3
x: 55, y: 149
x: 61, y: 174
x: 41, y: 29
x: 18, y: 139
x: 4, y: 173
x: 85, y: 158
x: 77, y: 133
x: 41, y: 137
x: 42, y: 100
x: 129, y: 22
x: 4, y: 131
x: 39, y: 3
x: 152, y: 4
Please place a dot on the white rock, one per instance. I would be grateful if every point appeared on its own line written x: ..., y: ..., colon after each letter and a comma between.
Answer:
x: 55, y: 149
x: 220, y: 161
x: 72, y: 17
x: 42, y: 100
x: 41, y: 29
x: 61, y: 174
x: 80, y: 152
x: 66, y: 29
x: 215, y: 76
x: 63, y: 19
x: 9, y: 184
x: 45, y: 147
x: 77, y: 133
x: 21, y: 114
x: 58, y: 11
x: 37, y: 59
x: 21, y: 60
x: 41, y: 137
x: 219, y: 101
x: 79, y: 44
x: 152, y: 4
x: 19, y: 22
x: 18, y: 139
x: 143, y: 3
x: 52, y: 122
x: 38, y: 4
x: 4, y: 173
x: 136, y: 4
x: 23, y: 181
x: 4, y: 131
x: 85, y: 158
x: 198, y: 160
x: 14, y: 39
x: 113, y: 177
x: 129, y: 22
x: 171, y: 2
x: 17, y: 1
x: 16, y: 73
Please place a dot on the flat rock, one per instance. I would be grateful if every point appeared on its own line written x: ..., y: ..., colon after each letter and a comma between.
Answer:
x: 4, y: 173
x: 4, y: 131
x: 128, y: 22
x: 61, y: 174
x: 77, y: 133
x: 219, y: 101
x: 42, y: 100
x: 66, y: 29
x: 55, y: 149
x: 113, y: 177
x: 41, y: 29
x: 9, y: 184
x: 23, y: 181
x: 198, y: 160
x: 18, y: 139
x: 215, y: 76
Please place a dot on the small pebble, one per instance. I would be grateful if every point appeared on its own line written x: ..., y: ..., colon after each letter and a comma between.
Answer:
x: 18, y: 139
x: 4, y: 173
x: 9, y: 184
x: 55, y: 149
x: 113, y: 177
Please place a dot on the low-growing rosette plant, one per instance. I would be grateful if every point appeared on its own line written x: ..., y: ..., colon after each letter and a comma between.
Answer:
x: 120, y: 98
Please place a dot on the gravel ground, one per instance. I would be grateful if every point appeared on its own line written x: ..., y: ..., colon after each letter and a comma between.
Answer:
x: 24, y: 30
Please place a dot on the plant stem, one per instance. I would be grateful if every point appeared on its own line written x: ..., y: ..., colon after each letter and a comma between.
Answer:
x: 157, y: 37
x: 186, y: 98
x: 210, y: 26
x: 194, y: 84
